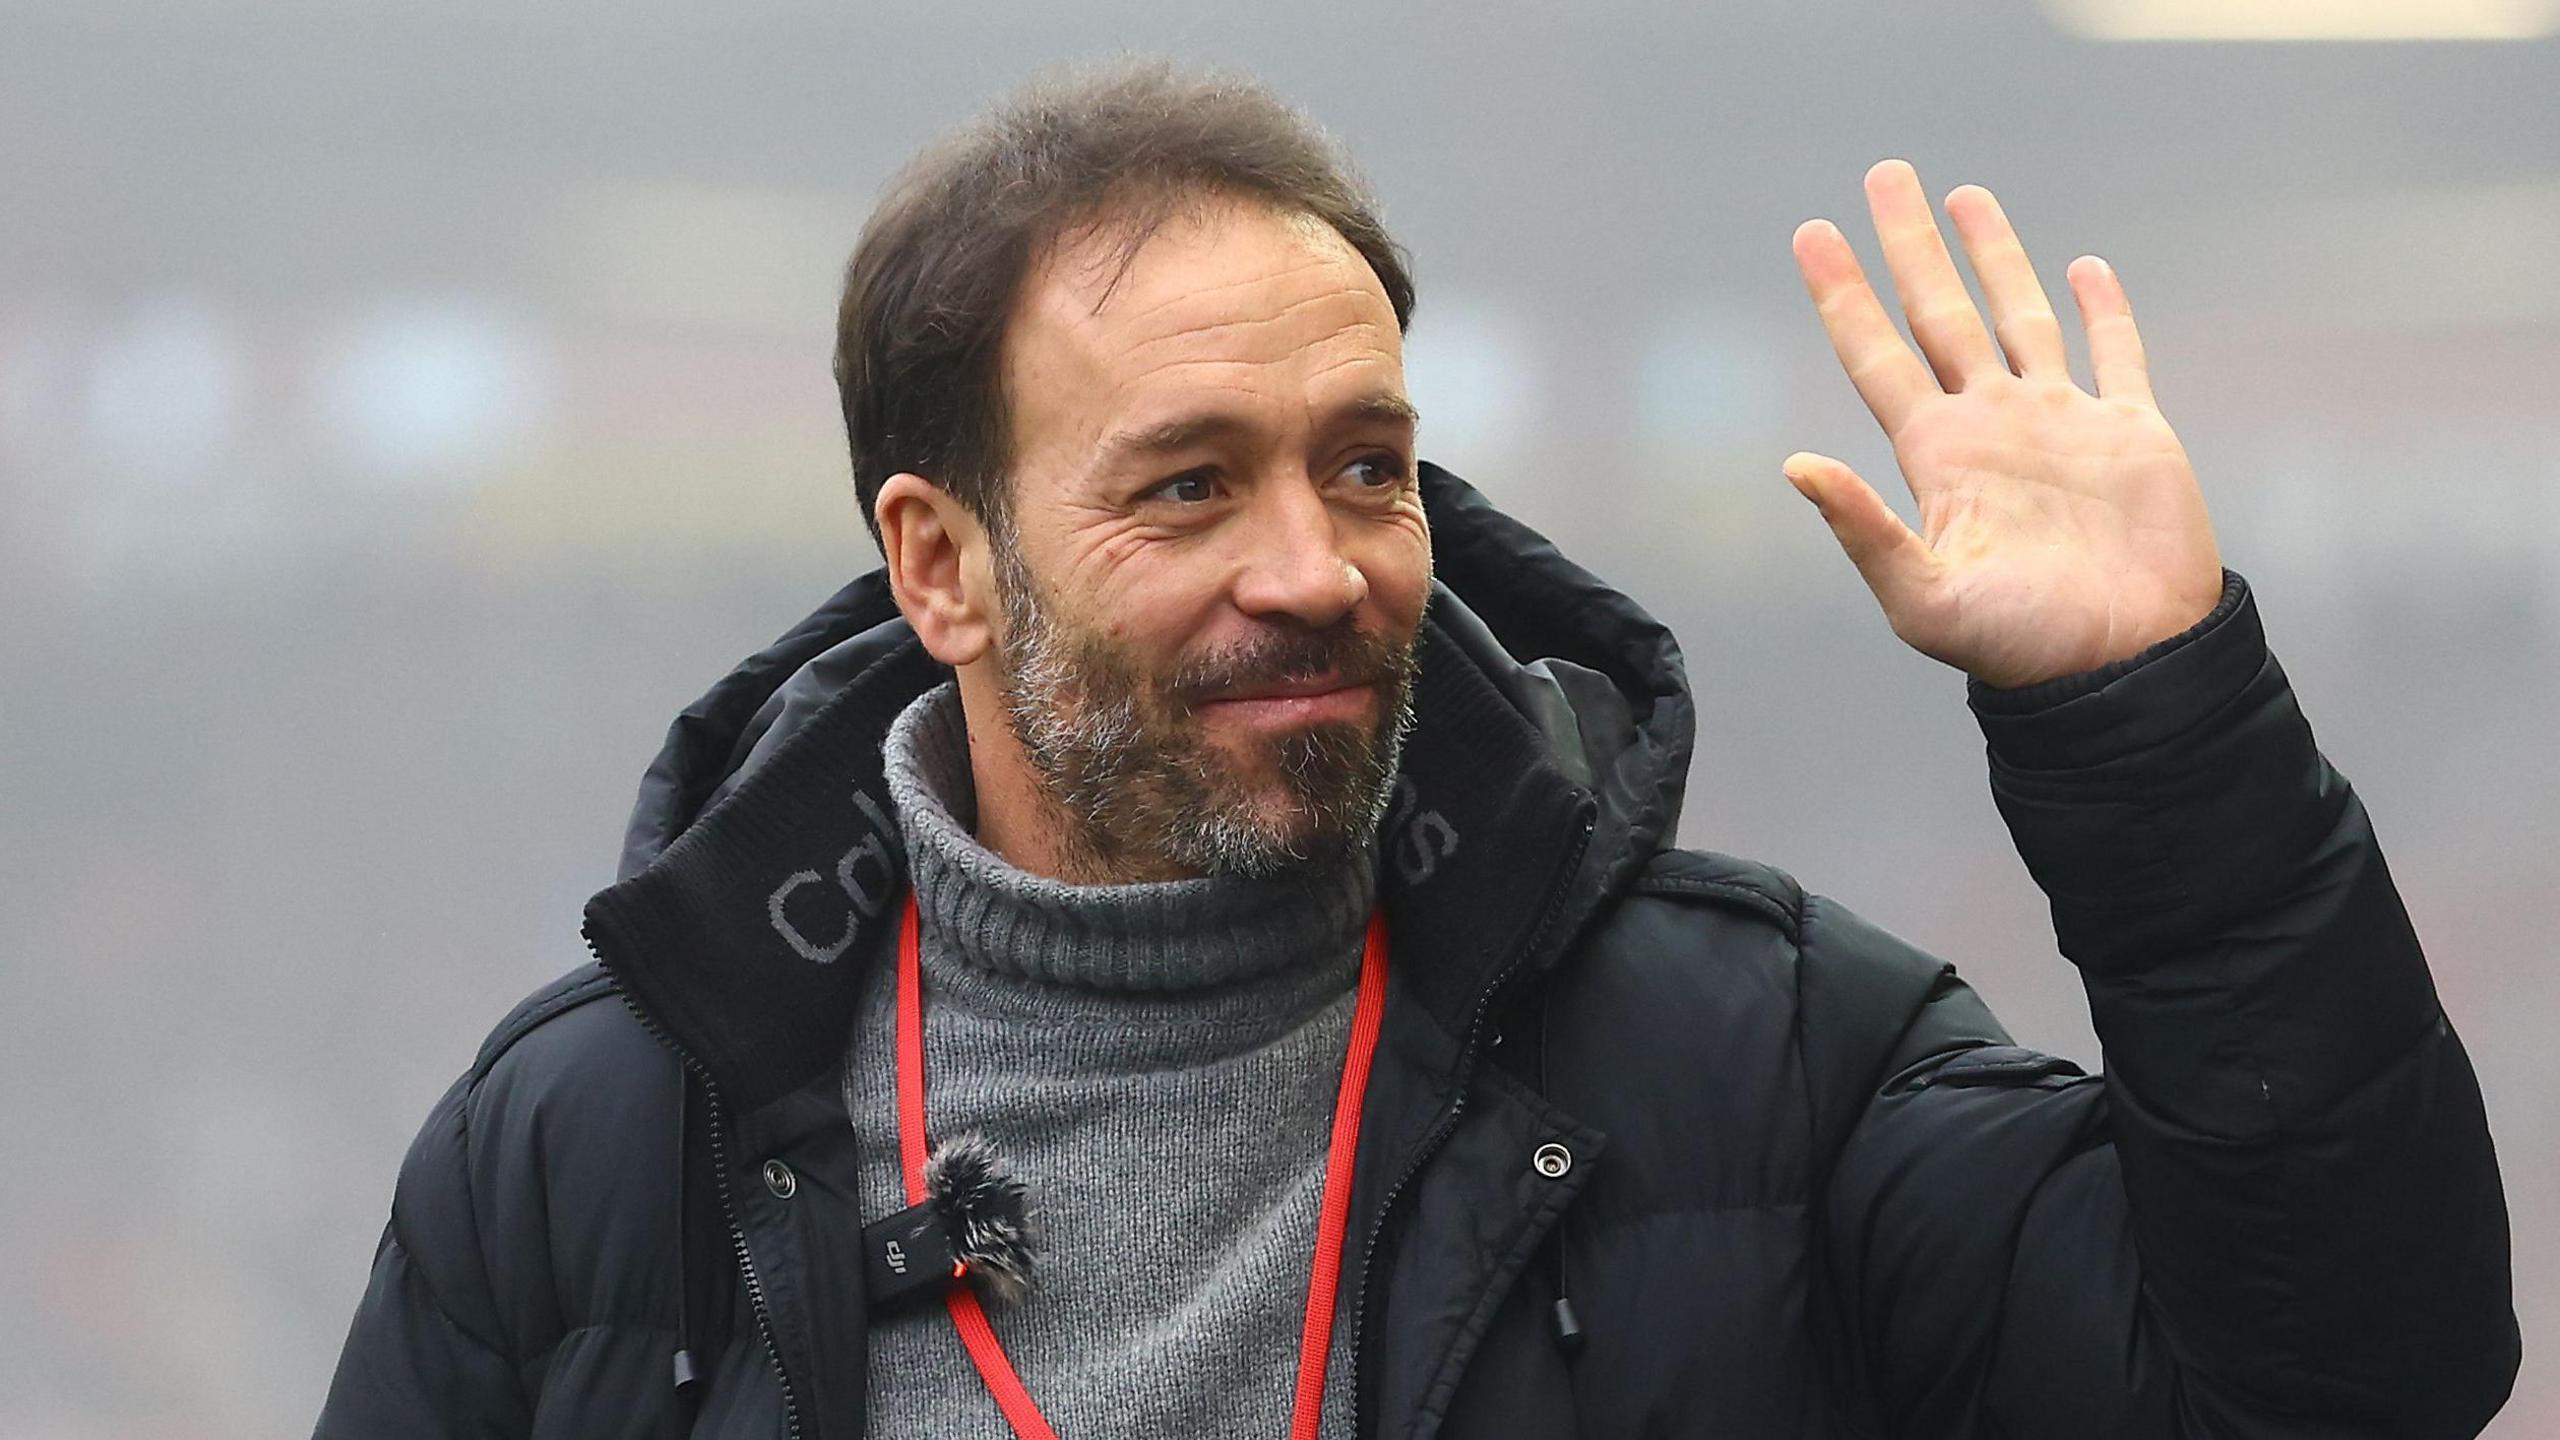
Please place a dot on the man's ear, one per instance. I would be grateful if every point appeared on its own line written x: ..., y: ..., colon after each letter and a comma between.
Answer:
x: 937, y: 556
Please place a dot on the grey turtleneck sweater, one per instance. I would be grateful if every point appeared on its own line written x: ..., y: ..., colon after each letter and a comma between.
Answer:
x: 1159, y: 1063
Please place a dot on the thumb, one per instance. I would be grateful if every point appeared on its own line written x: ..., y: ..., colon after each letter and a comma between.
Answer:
x: 1895, y: 563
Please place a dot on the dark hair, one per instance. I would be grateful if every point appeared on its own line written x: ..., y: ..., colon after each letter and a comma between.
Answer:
x: 935, y: 277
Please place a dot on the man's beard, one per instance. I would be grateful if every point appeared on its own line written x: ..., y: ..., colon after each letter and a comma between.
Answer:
x: 1144, y: 790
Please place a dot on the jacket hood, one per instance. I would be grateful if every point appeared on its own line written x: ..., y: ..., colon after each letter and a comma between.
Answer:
x: 1553, y: 728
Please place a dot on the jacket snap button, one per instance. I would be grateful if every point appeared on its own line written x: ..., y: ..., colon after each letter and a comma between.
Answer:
x: 779, y: 1179
x: 1552, y: 1160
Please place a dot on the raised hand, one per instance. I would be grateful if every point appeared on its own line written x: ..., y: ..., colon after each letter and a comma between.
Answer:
x: 2060, y: 529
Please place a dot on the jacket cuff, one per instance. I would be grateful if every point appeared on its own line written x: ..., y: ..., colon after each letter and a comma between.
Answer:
x: 2133, y: 704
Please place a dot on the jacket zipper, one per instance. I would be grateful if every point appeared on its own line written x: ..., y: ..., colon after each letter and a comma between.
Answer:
x: 719, y: 1117
x: 1448, y: 1121
x: 1440, y: 1132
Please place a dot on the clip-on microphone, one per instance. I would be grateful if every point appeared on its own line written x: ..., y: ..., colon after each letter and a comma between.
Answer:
x: 974, y: 1224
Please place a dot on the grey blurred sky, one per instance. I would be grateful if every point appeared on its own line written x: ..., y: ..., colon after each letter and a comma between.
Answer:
x: 405, y: 409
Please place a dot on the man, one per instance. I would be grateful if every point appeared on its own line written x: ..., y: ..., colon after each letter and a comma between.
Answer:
x: 1050, y: 854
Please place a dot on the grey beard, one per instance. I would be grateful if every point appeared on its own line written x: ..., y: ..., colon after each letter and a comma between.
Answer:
x: 1146, y: 801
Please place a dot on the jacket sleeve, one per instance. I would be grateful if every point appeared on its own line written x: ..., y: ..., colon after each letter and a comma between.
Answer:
x: 2278, y: 1214
x: 424, y: 1357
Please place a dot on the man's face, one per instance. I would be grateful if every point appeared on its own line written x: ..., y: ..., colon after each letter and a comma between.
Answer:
x: 1215, y: 563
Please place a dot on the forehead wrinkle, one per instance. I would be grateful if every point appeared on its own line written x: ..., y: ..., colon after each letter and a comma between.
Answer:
x: 1300, y: 267
x: 1353, y: 361
x: 1248, y: 325
x: 1193, y: 380
x: 1213, y: 408
x: 1196, y: 422
x: 1080, y: 344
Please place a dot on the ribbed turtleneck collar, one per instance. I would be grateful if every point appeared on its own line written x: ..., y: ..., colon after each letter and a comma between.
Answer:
x: 1157, y: 936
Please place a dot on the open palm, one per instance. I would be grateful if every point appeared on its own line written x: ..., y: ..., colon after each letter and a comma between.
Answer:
x: 2060, y: 529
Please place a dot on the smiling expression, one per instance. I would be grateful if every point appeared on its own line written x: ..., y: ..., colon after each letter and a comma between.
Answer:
x: 1214, y: 560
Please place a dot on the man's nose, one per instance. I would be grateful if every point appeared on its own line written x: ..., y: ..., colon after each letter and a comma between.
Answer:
x: 1295, y: 564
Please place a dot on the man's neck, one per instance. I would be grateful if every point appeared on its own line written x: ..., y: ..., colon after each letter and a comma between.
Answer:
x: 1189, y: 934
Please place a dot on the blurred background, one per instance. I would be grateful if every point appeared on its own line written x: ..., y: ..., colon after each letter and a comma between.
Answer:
x: 406, y: 408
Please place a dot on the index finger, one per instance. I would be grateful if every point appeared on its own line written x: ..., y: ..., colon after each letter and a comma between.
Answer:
x: 1889, y: 376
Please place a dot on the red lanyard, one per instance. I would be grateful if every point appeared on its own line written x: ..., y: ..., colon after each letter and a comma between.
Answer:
x: 1315, y: 1343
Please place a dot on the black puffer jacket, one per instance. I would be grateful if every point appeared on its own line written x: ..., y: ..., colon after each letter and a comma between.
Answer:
x: 1806, y: 1186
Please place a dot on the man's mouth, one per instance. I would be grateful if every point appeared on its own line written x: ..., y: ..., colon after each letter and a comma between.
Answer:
x: 1304, y: 700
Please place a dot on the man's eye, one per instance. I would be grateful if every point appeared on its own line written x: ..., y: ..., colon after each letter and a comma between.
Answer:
x: 1189, y: 488
x: 1377, y: 472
